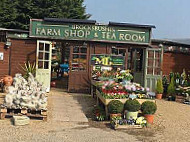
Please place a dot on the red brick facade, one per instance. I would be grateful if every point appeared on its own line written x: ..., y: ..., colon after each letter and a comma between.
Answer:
x: 175, y: 62
x: 20, y: 52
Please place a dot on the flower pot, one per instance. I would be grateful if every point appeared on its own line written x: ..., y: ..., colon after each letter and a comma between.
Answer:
x: 8, y: 80
x: 171, y: 98
x: 53, y: 84
x: 133, y: 115
x: 149, y: 118
x: 159, y: 96
x: 115, y: 115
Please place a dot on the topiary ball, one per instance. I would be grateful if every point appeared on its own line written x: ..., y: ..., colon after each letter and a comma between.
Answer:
x: 148, y: 107
x: 115, y: 107
x: 132, y: 105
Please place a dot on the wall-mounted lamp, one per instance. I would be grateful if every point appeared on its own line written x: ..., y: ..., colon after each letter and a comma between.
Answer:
x: 7, y: 44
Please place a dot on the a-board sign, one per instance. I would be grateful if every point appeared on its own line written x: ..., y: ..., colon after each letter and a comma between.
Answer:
x: 107, y: 60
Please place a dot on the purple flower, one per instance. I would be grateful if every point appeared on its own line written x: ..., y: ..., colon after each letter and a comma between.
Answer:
x: 147, y: 89
x: 133, y: 88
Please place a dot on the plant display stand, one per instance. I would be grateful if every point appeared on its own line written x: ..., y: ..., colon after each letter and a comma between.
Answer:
x: 93, y: 88
x: 106, y: 101
x: 5, y: 112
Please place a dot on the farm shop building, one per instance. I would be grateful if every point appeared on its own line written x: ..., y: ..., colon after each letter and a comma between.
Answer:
x: 62, y: 50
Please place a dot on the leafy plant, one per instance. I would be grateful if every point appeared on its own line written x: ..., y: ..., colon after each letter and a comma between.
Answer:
x: 99, y: 113
x: 171, y: 88
x: 159, y: 86
x: 132, y: 105
x: 115, y: 107
x: 148, y: 107
x: 29, y: 68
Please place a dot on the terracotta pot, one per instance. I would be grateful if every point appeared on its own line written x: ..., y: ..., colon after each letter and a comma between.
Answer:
x: 159, y: 96
x: 8, y: 80
x: 115, y: 115
x: 149, y: 118
x: 53, y: 84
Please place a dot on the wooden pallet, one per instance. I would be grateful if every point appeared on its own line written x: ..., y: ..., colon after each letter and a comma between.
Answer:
x: 9, y: 112
x: 120, y: 127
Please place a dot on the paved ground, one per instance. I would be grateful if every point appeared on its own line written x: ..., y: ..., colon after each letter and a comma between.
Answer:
x: 70, y: 120
x: 65, y: 107
x: 67, y: 122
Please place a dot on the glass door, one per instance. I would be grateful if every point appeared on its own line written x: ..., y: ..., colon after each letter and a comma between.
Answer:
x: 153, y: 70
x: 43, y: 63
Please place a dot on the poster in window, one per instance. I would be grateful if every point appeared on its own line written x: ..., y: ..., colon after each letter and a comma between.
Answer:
x: 107, y: 60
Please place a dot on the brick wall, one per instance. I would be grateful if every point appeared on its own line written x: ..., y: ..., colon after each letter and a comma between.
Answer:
x: 21, y: 52
x: 175, y: 62
x: 4, y: 64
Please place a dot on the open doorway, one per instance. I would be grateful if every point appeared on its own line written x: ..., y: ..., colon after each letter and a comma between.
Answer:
x: 60, y: 65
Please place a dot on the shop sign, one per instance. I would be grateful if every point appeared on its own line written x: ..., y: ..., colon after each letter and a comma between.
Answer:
x: 107, y: 60
x: 17, y: 35
x: 89, y: 32
x: 1, y: 56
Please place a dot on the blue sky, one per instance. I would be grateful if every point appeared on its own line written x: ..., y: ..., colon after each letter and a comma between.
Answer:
x: 171, y: 17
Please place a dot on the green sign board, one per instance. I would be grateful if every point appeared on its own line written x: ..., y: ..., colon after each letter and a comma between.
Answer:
x: 107, y: 60
x: 89, y: 32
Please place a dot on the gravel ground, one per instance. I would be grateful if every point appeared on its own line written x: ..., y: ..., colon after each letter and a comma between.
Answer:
x: 171, y: 124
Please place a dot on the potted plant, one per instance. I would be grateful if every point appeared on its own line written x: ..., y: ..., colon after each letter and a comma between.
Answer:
x: 159, y: 89
x: 132, y: 106
x: 148, y: 109
x: 171, y: 91
x: 115, y: 108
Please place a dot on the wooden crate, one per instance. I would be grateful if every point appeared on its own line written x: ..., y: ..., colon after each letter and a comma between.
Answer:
x: 120, y: 127
x: 5, y: 112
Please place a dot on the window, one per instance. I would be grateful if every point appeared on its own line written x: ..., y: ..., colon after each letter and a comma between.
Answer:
x: 139, y: 60
x: 44, y: 56
x: 118, y: 51
x: 79, y: 58
x: 154, y: 62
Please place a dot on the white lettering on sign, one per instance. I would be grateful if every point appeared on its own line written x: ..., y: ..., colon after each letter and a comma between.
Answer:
x: 75, y: 33
x: 132, y: 37
x: 48, y: 32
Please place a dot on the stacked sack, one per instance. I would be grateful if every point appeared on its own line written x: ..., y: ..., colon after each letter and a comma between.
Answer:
x: 26, y: 94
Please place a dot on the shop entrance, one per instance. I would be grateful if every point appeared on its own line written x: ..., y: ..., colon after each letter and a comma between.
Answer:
x: 70, y: 67
x: 60, y: 65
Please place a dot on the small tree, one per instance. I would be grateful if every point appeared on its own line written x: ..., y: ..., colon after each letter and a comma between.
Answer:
x: 159, y: 87
x: 115, y: 107
x: 171, y: 88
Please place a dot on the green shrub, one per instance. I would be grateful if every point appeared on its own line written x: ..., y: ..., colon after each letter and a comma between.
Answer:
x: 148, y: 107
x: 159, y: 86
x: 132, y: 105
x: 115, y: 107
x: 171, y: 88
